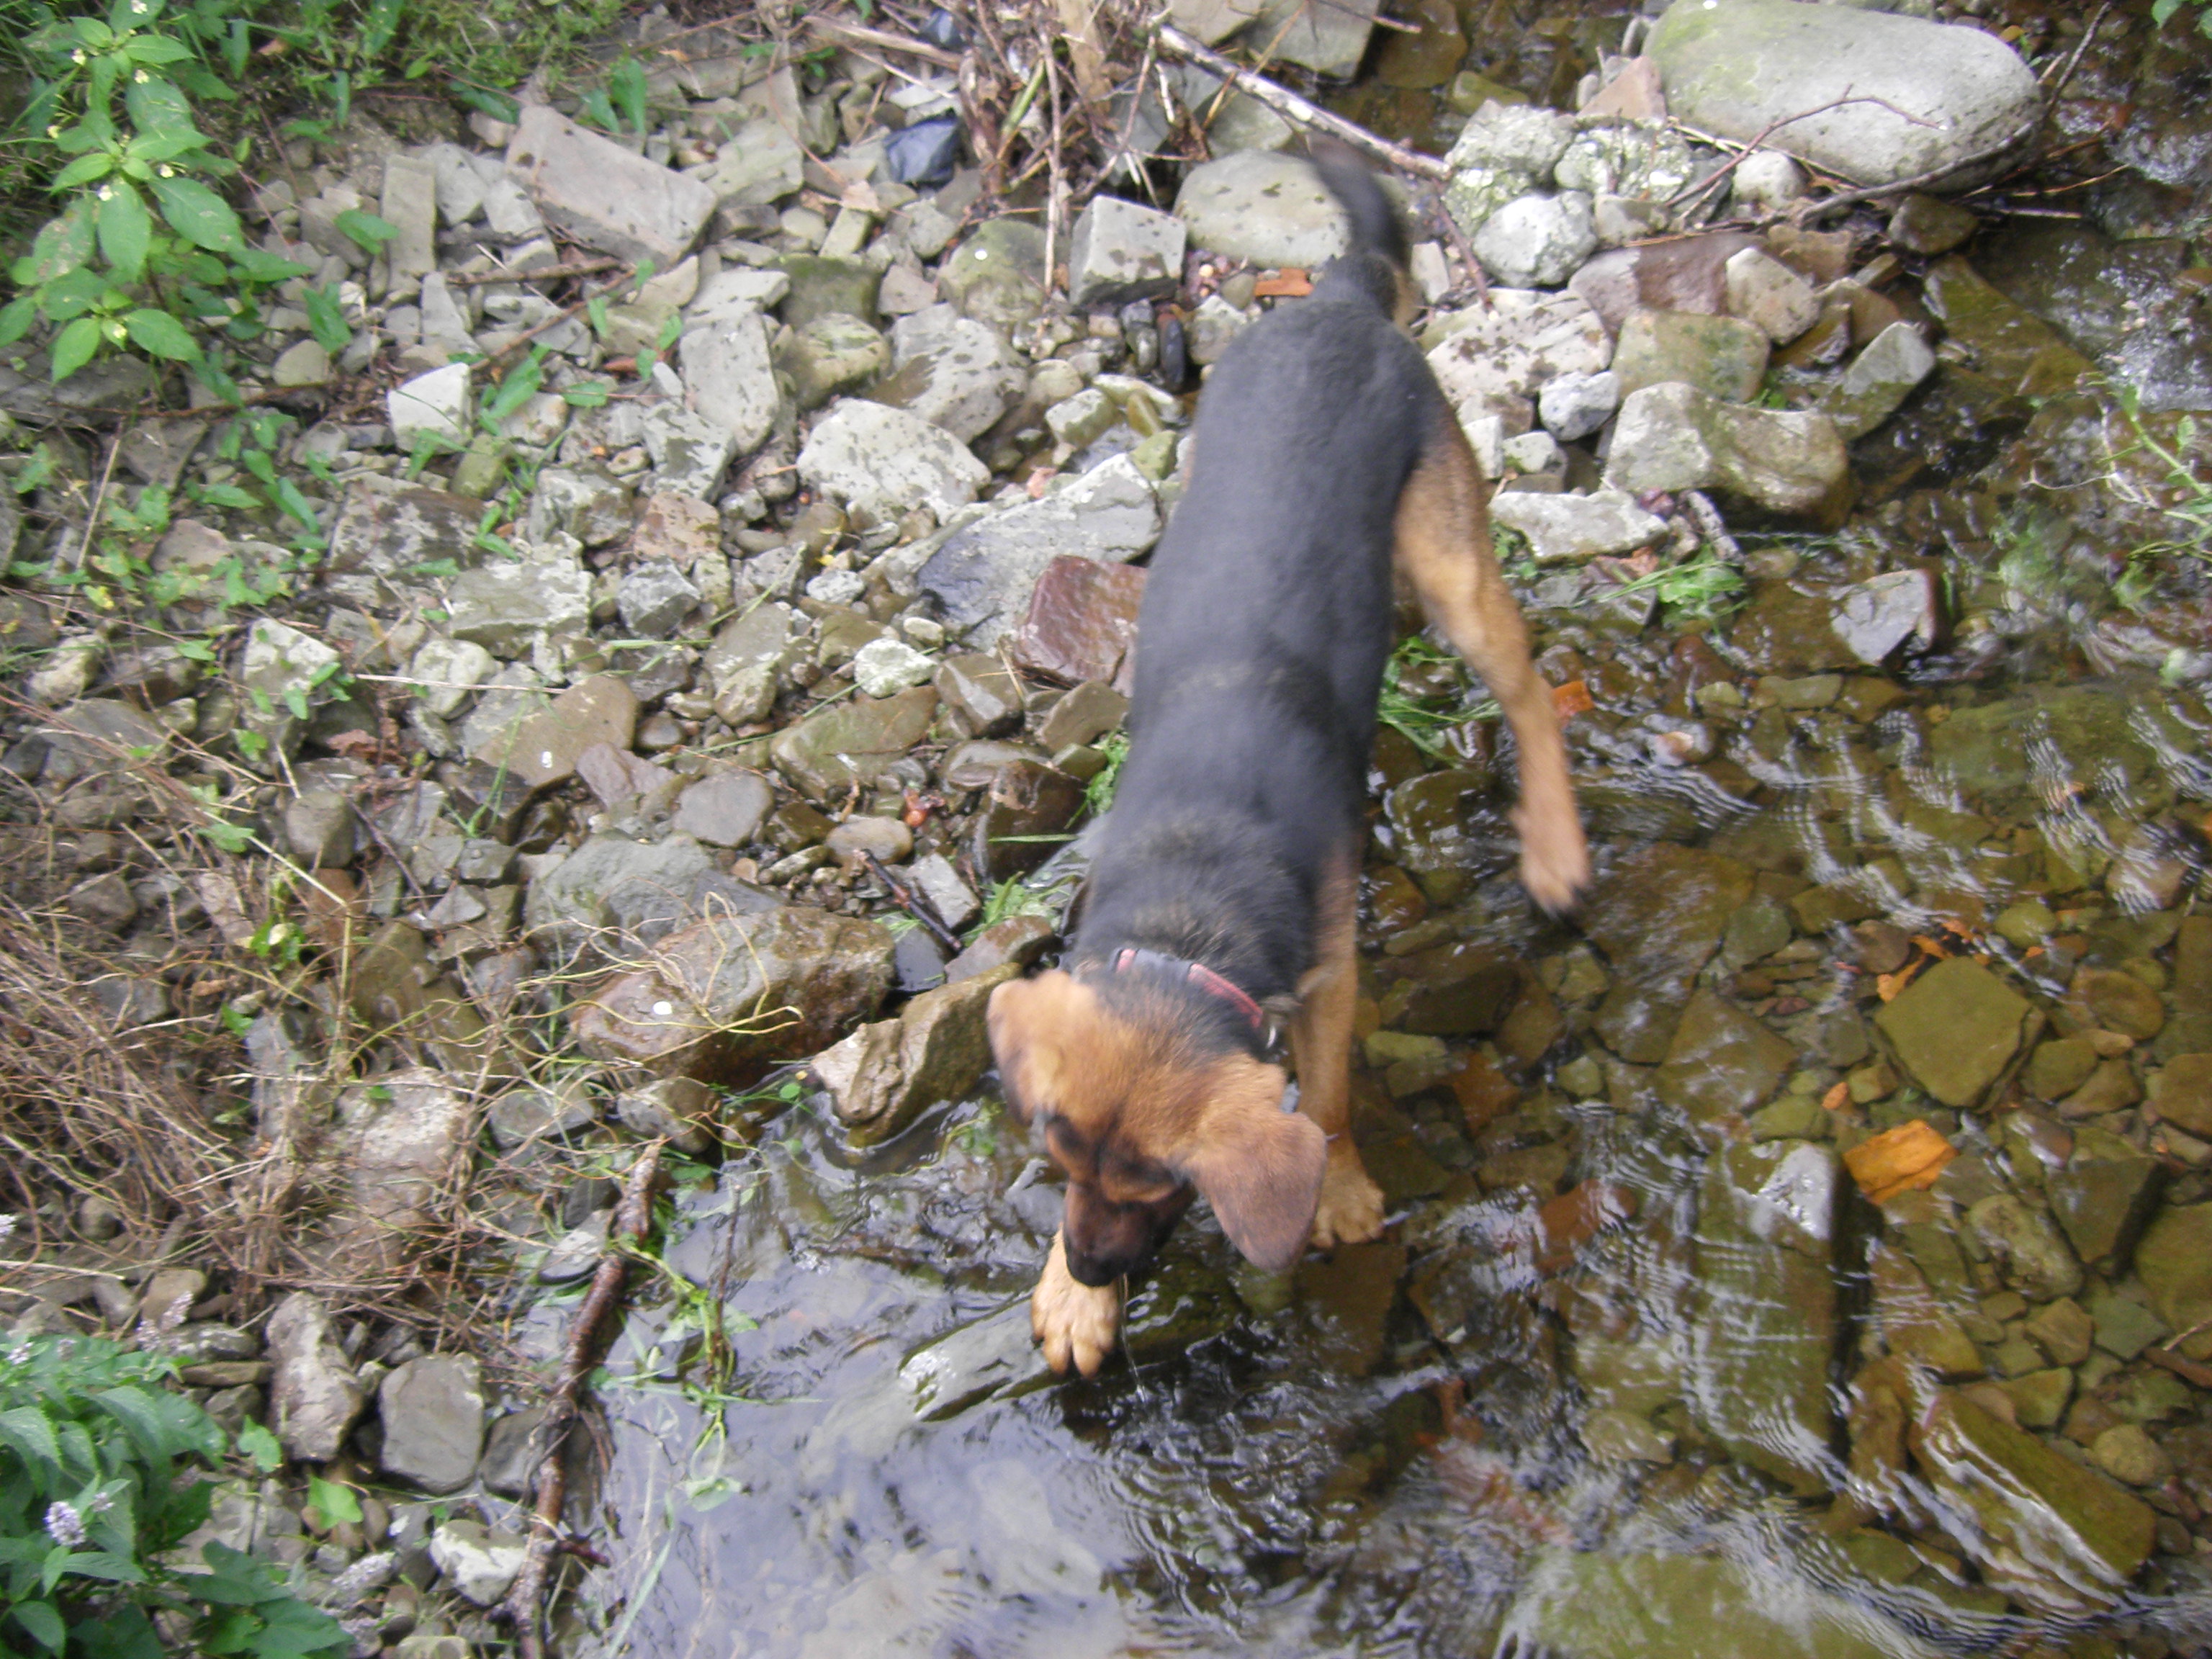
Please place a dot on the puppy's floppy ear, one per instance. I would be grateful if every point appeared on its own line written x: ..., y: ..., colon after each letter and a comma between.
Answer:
x: 1260, y: 1168
x: 1028, y: 1020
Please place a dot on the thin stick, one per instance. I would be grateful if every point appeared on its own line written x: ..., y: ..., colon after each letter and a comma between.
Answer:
x: 1871, y: 192
x: 583, y: 268
x: 1056, y: 200
x: 524, y: 1607
x: 99, y: 501
x: 1698, y: 187
x: 886, y: 40
x: 2088, y: 35
x: 1293, y: 107
x: 914, y: 905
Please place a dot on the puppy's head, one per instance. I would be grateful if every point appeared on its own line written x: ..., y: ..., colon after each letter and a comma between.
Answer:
x: 1143, y: 1107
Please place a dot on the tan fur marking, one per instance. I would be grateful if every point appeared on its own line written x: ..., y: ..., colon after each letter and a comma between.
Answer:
x: 1443, y: 549
x: 1076, y: 1324
x: 1350, y: 1208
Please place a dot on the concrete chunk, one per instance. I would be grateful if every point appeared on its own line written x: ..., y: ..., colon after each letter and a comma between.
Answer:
x: 601, y: 195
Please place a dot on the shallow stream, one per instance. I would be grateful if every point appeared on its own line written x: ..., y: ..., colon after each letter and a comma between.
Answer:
x: 1628, y: 1373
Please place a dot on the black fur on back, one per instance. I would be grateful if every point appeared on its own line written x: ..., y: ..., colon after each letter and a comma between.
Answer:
x: 1266, y: 622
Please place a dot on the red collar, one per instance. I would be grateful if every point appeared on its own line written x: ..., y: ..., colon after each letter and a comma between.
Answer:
x: 1194, y: 973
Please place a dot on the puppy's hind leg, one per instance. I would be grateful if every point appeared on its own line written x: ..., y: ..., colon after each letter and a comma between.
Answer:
x: 1443, y: 548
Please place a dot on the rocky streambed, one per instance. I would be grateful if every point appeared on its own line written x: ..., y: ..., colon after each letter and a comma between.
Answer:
x: 1803, y: 1250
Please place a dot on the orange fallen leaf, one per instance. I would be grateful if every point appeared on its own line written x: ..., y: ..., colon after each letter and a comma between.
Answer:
x: 1836, y: 1098
x: 1289, y: 283
x: 1572, y: 699
x: 1929, y: 946
x: 1887, y: 986
x: 2031, y: 953
x: 1913, y: 1155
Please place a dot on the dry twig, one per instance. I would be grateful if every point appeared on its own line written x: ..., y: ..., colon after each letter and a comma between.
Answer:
x: 1290, y: 105
x: 524, y: 1607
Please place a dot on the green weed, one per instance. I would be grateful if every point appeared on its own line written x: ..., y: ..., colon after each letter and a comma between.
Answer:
x: 1423, y: 717
x: 97, y: 1457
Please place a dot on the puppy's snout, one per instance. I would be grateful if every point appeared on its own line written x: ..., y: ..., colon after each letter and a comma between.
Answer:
x: 1105, y: 1241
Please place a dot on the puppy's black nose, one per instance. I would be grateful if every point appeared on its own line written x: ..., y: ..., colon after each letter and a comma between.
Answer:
x: 1098, y: 1271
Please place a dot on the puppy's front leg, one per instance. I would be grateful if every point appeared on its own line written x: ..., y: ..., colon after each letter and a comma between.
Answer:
x: 1350, y: 1209
x: 1075, y: 1323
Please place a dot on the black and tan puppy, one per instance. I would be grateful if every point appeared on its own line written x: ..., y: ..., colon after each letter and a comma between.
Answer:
x: 1223, y: 891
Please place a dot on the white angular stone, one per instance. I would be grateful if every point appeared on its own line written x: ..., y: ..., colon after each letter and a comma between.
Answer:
x: 728, y: 377
x: 1574, y: 405
x: 1537, y: 241
x: 968, y: 376
x: 603, y: 196
x: 1123, y: 249
x: 882, y: 462
x: 1880, y: 379
x: 1769, y: 296
x: 1766, y: 179
x: 1561, y: 528
x: 884, y: 667
x: 1495, y: 359
x: 445, y: 673
x: 437, y: 403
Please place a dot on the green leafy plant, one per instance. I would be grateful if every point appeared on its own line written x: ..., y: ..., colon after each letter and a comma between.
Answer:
x: 1700, y: 589
x: 1422, y: 717
x: 146, y: 255
x: 1099, y: 794
x: 2162, y: 12
x: 97, y: 1493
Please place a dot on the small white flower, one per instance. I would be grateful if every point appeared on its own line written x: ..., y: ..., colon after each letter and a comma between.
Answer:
x: 7, y: 1226
x: 65, y: 1525
x: 77, y: 57
x: 166, y: 171
x: 140, y: 76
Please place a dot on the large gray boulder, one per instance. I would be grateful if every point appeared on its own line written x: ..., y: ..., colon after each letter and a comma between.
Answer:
x: 1737, y: 67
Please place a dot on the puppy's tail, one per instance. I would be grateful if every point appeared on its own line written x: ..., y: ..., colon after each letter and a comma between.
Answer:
x: 1376, y: 230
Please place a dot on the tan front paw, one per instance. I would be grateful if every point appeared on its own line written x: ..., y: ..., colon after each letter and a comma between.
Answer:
x: 1351, y: 1210
x: 1075, y: 1323
x: 1555, y: 858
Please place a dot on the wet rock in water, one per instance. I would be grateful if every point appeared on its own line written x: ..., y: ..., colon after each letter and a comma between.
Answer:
x: 313, y: 1394
x: 883, y: 462
x: 884, y: 1074
x: 983, y: 576
x: 2009, y: 754
x: 1563, y: 528
x: 1929, y: 96
x: 1599, y: 1605
x: 432, y: 1409
x: 1537, y: 241
x: 2118, y: 1001
x: 603, y: 196
x: 2185, y: 1094
x: 535, y: 1113
x: 730, y: 995
x: 1879, y: 380
x: 1025, y: 799
x: 851, y: 743
x: 1346, y: 1296
x: 1875, y: 616
x: 1913, y: 1322
x: 2105, y: 1194
x: 950, y: 370
x: 1722, y: 1060
x: 1957, y: 1027
x: 1658, y: 915
x: 481, y: 1564
x: 2055, y: 1536
x: 1930, y: 225
x: 675, y: 1108
x: 576, y: 904
x: 2029, y: 1250
x: 2175, y: 1259
x: 1017, y: 939
x: 1263, y: 208
x: 2006, y: 341
x: 1722, y: 356
x: 1675, y: 437
x: 997, y: 275
x: 725, y: 809
x: 1123, y: 250
x: 1764, y: 1333
x: 994, y: 1357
